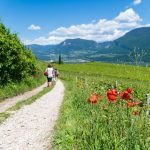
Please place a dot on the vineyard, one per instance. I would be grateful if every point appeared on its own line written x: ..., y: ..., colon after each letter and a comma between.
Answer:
x: 103, y: 110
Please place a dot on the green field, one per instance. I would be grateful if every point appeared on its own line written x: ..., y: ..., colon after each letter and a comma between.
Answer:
x: 112, y: 70
x: 104, y: 125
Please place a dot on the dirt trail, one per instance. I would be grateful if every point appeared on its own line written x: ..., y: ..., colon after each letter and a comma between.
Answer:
x: 7, y: 103
x: 30, y: 127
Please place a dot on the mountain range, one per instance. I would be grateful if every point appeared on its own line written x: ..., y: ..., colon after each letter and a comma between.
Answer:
x: 128, y: 48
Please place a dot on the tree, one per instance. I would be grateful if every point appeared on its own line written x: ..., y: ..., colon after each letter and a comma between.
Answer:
x: 60, y: 60
x: 16, y: 61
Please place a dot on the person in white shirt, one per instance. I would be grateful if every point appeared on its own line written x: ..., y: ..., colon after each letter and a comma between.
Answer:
x: 50, y: 71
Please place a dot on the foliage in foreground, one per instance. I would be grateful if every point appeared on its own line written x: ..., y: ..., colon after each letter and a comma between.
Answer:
x: 105, y: 125
x: 16, y: 61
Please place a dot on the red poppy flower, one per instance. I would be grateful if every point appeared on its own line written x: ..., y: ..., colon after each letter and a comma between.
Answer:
x: 130, y: 104
x: 111, y: 98
x: 92, y: 99
x: 111, y: 95
x: 135, y: 113
x: 129, y: 90
x: 112, y: 92
x: 125, y: 95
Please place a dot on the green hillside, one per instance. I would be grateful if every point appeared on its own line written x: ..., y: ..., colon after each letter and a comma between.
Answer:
x: 88, y: 50
x: 139, y: 38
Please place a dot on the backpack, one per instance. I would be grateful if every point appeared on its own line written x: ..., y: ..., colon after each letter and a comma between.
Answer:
x: 46, y: 73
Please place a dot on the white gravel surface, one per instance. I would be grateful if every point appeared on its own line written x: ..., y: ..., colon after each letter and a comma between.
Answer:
x: 30, y: 127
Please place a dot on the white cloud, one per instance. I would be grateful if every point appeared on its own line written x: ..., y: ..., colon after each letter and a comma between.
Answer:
x: 34, y: 27
x: 100, y: 31
x: 128, y: 16
x: 135, y: 2
x: 45, y: 41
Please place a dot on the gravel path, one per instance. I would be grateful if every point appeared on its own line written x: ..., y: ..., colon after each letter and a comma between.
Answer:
x: 7, y: 103
x: 30, y: 127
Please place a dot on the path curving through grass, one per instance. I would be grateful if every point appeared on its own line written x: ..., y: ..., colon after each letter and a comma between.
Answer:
x: 31, y: 127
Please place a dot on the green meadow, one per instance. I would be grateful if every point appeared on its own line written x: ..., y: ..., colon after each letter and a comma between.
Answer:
x: 104, y: 124
x: 107, y: 69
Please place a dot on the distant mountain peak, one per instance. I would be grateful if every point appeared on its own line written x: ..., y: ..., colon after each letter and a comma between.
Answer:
x: 83, y: 49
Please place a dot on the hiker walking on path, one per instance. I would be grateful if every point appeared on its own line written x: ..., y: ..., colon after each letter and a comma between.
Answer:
x: 56, y: 72
x: 50, y: 74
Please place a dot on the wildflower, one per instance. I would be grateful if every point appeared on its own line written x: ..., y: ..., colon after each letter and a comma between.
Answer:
x: 111, y: 95
x: 125, y: 95
x: 129, y: 90
x: 130, y: 104
x: 135, y: 113
x: 92, y: 99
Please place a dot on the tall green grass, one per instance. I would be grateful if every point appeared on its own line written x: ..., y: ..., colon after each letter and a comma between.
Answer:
x: 84, y: 126
x: 3, y: 116
x: 106, y: 69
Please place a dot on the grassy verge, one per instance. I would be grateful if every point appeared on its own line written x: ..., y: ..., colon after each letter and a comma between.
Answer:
x: 19, y: 105
x: 103, y: 125
x: 3, y: 116
x: 29, y: 101
x: 14, y: 89
x: 66, y: 124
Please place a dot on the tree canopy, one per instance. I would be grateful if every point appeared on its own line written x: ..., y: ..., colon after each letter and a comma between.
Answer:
x: 16, y: 61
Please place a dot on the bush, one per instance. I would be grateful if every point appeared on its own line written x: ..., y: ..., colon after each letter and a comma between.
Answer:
x: 16, y: 61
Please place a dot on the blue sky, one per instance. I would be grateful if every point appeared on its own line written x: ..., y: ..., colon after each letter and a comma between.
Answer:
x: 52, y: 21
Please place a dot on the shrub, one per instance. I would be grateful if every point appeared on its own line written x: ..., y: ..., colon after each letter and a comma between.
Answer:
x: 16, y: 61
